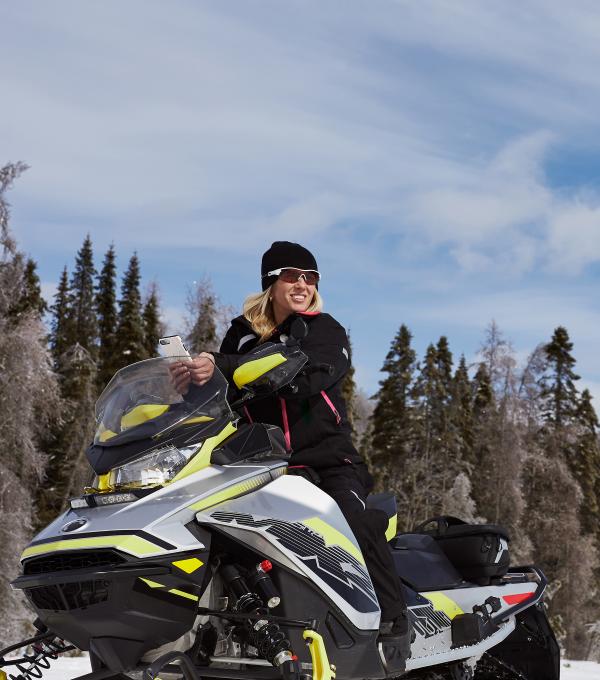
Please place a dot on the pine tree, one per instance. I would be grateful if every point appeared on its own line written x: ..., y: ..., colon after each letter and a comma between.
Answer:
x: 393, y: 416
x: 106, y: 307
x: 552, y: 473
x: 434, y: 444
x: 74, y: 343
x: 585, y: 464
x: 201, y: 317
x: 461, y: 415
x: 483, y: 399
x: 60, y: 332
x: 81, y: 314
x: 130, y: 327
x: 349, y: 394
x: 558, y: 391
x: 29, y: 293
x: 152, y: 323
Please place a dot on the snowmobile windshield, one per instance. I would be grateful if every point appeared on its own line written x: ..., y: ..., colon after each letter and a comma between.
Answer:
x: 141, y: 402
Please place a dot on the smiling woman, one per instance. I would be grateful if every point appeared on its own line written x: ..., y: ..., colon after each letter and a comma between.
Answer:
x: 312, y: 411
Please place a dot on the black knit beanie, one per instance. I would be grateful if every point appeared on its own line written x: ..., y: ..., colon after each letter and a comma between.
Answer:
x: 283, y: 254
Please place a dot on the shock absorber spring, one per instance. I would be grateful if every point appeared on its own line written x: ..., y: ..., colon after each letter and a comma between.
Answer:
x: 263, y: 634
x: 32, y: 666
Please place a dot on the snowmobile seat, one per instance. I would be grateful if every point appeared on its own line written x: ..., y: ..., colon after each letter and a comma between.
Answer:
x: 382, y: 501
x: 421, y: 563
x: 385, y: 502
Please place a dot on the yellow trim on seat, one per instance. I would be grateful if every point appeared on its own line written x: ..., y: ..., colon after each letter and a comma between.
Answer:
x: 201, y: 460
x: 131, y: 544
x: 252, y: 370
x: 231, y: 492
x: 442, y: 603
x: 189, y: 566
x: 392, y: 528
x: 322, y: 669
x: 333, y: 537
x: 142, y: 413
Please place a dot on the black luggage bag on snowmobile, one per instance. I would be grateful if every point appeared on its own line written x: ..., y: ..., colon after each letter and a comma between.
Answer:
x: 479, y: 552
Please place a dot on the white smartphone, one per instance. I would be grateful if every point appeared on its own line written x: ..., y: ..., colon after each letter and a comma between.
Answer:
x: 172, y: 346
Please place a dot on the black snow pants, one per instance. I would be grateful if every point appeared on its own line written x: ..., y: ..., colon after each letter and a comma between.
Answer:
x: 368, y: 527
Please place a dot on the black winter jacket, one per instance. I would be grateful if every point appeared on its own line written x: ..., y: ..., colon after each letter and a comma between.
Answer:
x: 316, y: 411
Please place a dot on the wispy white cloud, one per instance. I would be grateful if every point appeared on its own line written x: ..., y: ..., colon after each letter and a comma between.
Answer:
x: 407, y: 142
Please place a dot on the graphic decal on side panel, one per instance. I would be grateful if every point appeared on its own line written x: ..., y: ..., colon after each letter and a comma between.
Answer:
x: 332, y: 564
x: 427, y: 621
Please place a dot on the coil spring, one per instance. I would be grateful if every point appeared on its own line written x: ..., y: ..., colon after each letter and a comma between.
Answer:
x: 269, y: 639
x: 45, y: 651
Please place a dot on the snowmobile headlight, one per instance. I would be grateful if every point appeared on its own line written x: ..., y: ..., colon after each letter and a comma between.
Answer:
x: 153, y: 469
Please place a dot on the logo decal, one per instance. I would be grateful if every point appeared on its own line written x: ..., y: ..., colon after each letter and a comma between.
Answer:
x: 340, y: 570
x: 74, y: 525
x: 427, y: 621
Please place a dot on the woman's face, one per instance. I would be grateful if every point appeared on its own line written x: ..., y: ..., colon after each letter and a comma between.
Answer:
x: 290, y: 297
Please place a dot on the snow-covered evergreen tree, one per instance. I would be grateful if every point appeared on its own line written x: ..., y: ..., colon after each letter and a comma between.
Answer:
x: 29, y: 403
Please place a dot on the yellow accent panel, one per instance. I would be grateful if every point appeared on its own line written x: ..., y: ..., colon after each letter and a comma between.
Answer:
x: 443, y: 603
x: 231, y: 492
x: 140, y: 414
x: 322, y: 669
x: 105, y: 435
x: 134, y: 545
x: 392, y: 528
x: 196, y: 419
x: 181, y: 593
x: 333, y: 537
x: 3, y: 676
x: 152, y: 584
x: 252, y: 370
x: 104, y: 482
x: 201, y: 460
x: 189, y: 566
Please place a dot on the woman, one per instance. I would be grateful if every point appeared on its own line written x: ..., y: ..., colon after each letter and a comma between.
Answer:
x: 313, y: 415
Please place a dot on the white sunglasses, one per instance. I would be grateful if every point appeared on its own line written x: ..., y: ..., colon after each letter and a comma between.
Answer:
x: 292, y: 274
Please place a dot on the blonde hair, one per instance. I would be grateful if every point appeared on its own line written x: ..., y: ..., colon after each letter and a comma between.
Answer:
x: 258, y: 309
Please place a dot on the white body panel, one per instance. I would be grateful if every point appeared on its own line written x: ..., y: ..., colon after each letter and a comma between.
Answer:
x: 281, y: 514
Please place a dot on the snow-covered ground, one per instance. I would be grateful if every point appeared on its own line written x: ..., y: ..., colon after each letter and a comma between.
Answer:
x: 66, y: 669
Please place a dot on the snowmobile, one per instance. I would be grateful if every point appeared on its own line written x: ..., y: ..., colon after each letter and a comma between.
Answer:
x: 193, y: 554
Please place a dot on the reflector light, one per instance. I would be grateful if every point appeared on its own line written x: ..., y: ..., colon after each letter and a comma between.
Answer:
x: 111, y: 499
x: 517, y: 598
x: 266, y: 565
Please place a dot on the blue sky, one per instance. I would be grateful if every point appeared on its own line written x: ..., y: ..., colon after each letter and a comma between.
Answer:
x: 442, y: 159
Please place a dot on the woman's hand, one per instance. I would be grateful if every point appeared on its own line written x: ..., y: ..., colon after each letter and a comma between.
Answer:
x: 197, y: 371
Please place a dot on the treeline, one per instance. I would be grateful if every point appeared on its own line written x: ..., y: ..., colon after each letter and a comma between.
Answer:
x: 93, y: 333
x: 511, y: 446
x: 488, y: 442
x: 54, y: 362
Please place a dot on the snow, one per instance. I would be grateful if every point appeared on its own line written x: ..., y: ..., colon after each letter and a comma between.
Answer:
x: 68, y: 668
